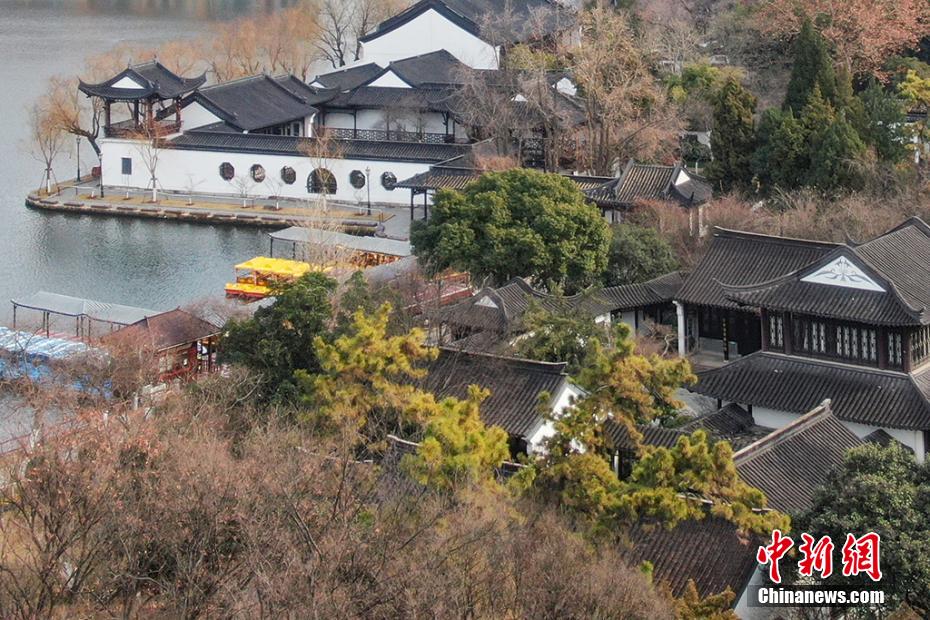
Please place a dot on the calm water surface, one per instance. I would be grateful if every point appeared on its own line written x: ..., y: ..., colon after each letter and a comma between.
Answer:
x: 156, y: 265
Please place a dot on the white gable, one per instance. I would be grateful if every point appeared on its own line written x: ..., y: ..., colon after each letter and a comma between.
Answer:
x: 487, y: 302
x: 127, y: 82
x: 428, y: 32
x: 390, y: 79
x: 519, y: 98
x: 843, y: 272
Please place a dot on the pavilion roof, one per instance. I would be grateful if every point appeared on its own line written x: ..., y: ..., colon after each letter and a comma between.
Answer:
x: 66, y: 305
x: 360, y: 243
x: 347, y: 79
x: 152, y: 81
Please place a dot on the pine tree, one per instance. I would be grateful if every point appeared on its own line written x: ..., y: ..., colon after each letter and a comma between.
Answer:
x: 813, y: 68
x: 781, y: 157
x: 732, y: 141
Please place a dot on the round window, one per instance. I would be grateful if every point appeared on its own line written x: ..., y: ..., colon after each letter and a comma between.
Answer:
x: 227, y: 172
x: 357, y: 179
x: 258, y: 173
x: 288, y: 175
x: 388, y: 180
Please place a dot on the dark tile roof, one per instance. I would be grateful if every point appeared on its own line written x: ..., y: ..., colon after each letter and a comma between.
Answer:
x: 347, y: 79
x: 202, y: 140
x: 902, y: 256
x: 168, y: 329
x: 618, y: 435
x: 432, y: 69
x: 156, y: 80
x: 797, y: 385
x: 792, y: 295
x: 432, y: 99
x: 530, y: 17
x: 656, y: 291
x: 724, y: 423
x: 731, y: 423
x: 898, y: 261
x: 790, y: 464
x: 882, y: 438
x: 651, y: 182
x: 740, y: 258
x: 501, y: 309
x: 711, y: 551
x: 452, y: 177
x: 515, y: 385
x: 255, y: 102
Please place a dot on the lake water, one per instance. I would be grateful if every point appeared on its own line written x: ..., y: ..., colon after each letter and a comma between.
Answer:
x: 157, y: 265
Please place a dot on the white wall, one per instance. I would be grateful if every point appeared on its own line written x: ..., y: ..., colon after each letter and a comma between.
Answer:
x: 390, y: 79
x: 179, y: 169
x: 195, y: 115
x: 545, y: 429
x: 773, y: 418
x: 371, y: 118
x: 430, y: 32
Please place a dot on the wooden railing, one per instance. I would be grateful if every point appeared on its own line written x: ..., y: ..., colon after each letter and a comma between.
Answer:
x: 389, y: 135
x: 129, y: 129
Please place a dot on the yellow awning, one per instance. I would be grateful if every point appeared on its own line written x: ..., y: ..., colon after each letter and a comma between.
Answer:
x: 275, y: 266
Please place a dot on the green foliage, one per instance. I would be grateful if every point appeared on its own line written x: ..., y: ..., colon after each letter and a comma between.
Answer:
x: 733, y: 138
x: 690, y: 605
x: 812, y: 69
x: 567, y: 336
x: 835, y: 152
x: 629, y: 386
x: 522, y: 57
x: 518, y: 223
x: 885, y: 126
x: 698, y: 80
x: 916, y: 90
x: 880, y: 489
x: 363, y: 384
x: 781, y: 159
x: 637, y: 254
x: 279, y: 339
x: 668, y: 484
x: 457, y: 448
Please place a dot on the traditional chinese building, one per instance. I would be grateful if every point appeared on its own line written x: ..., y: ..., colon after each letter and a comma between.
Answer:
x: 847, y: 322
x: 150, y: 90
x: 516, y: 387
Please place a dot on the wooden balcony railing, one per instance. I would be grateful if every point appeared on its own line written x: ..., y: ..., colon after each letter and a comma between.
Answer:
x: 129, y: 129
x: 389, y: 135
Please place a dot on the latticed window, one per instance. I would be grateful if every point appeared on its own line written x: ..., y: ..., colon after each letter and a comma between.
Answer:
x: 227, y: 171
x: 776, y: 331
x: 920, y: 345
x: 895, y: 355
x: 321, y: 181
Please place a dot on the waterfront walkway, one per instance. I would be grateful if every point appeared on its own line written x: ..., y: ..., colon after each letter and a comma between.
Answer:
x: 393, y: 222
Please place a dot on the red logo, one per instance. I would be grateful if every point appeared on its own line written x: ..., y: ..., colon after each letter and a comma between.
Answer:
x: 860, y: 555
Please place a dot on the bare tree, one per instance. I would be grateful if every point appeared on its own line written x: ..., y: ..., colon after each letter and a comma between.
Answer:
x: 48, y: 139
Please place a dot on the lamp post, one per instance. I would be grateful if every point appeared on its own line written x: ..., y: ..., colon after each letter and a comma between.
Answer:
x: 368, y: 187
x: 77, y: 143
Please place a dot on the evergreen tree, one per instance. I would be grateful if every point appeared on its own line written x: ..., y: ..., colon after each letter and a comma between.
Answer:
x: 518, y: 223
x: 732, y: 141
x: 781, y: 158
x: 812, y: 69
x: 637, y: 254
x: 834, y: 150
x: 885, y: 127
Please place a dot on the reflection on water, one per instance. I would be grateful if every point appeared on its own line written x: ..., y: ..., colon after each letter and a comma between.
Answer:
x: 199, y: 9
x: 151, y: 264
